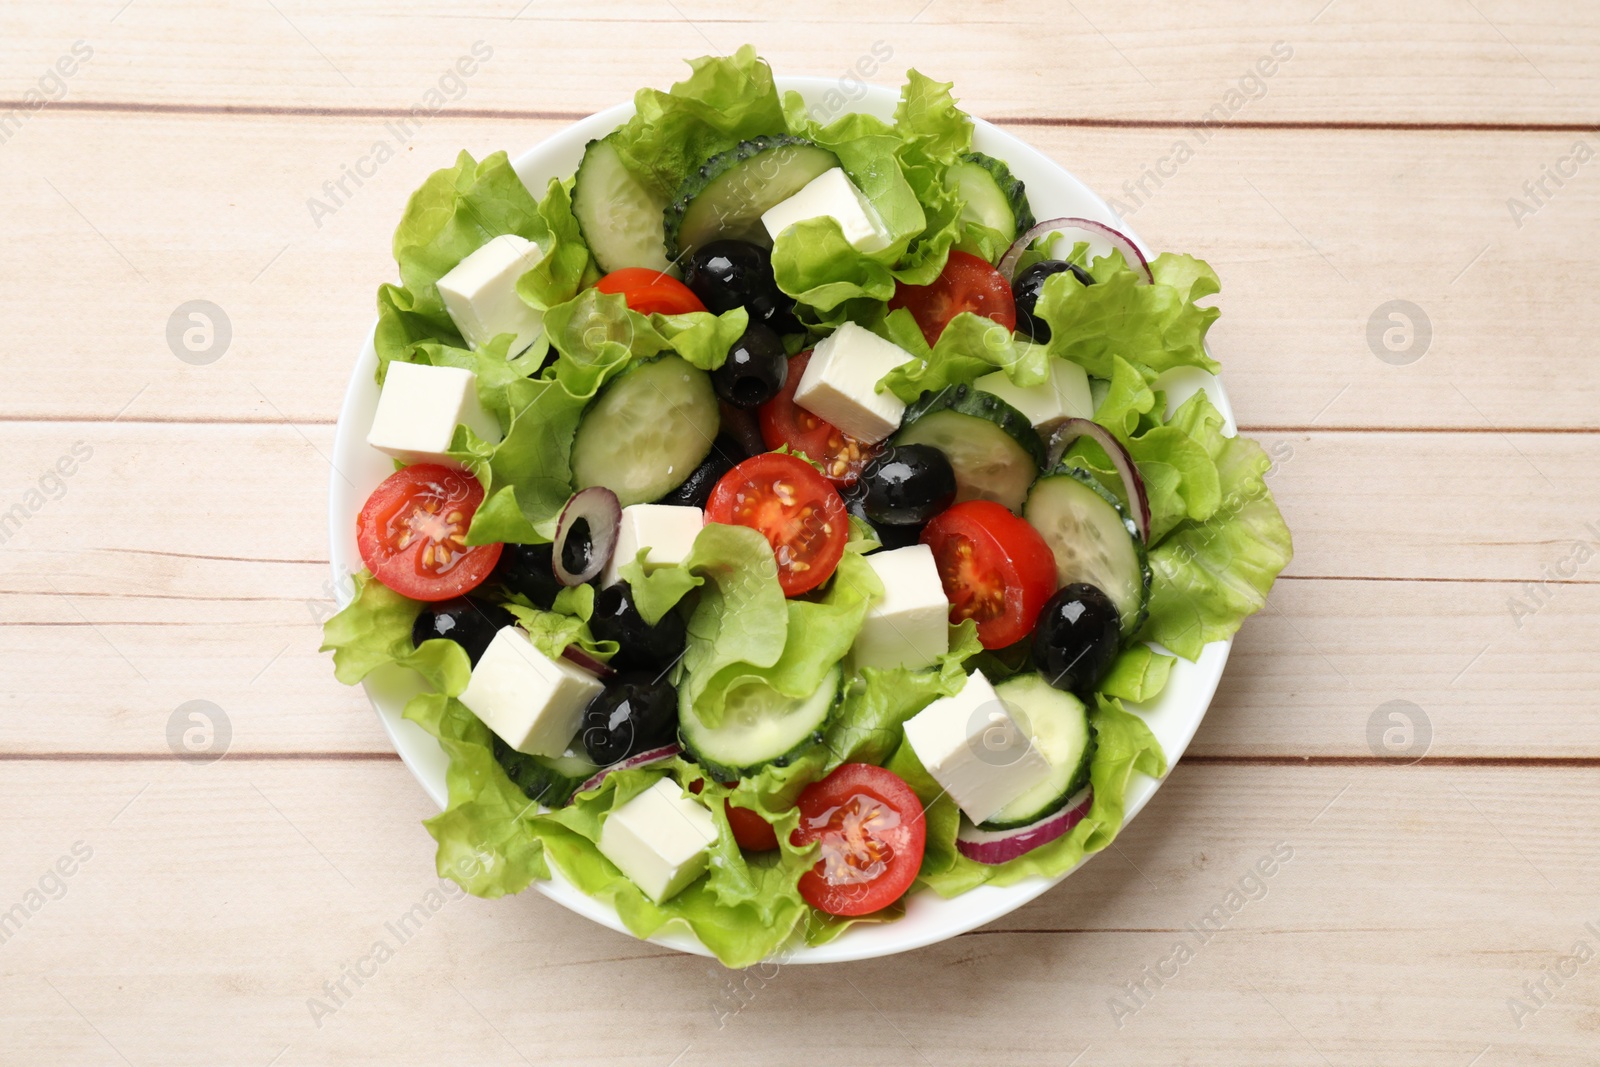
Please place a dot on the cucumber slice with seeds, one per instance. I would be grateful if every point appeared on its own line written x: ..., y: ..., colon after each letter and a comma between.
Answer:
x: 647, y: 432
x: 992, y: 446
x: 1093, y: 539
x: 759, y: 726
x: 619, y: 217
x: 1058, y: 728
x: 993, y: 197
x: 730, y: 192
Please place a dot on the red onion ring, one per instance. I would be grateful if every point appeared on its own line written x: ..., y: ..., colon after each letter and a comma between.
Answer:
x: 1068, y: 430
x: 1001, y: 846
x: 640, y: 759
x: 579, y: 658
x: 1119, y: 240
x: 602, y: 510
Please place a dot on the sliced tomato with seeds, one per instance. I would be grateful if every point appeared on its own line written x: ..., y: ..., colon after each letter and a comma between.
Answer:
x: 795, y: 508
x: 783, y: 422
x: 967, y: 283
x: 649, y: 291
x: 871, y: 833
x: 412, y: 533
x: 995, y: 568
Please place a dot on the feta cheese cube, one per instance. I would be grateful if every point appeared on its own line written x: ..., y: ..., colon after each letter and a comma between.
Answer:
x: 480, y: 293
x: 831, y: 194
x: 976, y: 750
x: 533, y: 702
x: 1065, y: 394
x: 659, y: 839
x: 420, y: 407
x: 667, y: 530
x: 909, y: 626
x: 840, y: 383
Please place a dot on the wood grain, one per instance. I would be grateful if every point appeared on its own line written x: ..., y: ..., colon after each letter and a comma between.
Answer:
x: 1385, y: 936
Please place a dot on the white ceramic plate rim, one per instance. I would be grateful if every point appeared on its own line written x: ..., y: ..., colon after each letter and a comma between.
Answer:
x: 1173, y: 718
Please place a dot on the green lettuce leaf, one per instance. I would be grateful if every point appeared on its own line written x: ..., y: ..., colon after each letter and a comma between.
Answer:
x: 553, y: 631
x: 374, y: 629
x: 1139, y: 674
x: 598, y: 336
x: 1124, y: 745
x: 1211, y: 575
x: 970, y: 347
x: 727, y: 99
x: 1158, y: 325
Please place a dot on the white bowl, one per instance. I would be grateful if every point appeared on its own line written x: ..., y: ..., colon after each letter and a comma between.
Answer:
x: 1173, y: 718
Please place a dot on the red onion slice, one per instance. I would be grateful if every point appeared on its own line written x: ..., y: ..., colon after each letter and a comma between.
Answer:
x: 601, y: 509
x: 637, y: 760
x: 579, y: 658
x: 1119, y: 240
x: 1069, y: 430
x: 1001, y: 846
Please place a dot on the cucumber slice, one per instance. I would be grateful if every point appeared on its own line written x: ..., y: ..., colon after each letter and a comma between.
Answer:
x: 619, y: 217
x: 648, y: 431
x: 730, y: 192
x: 550, y: 782
x: 992, y: 446
x: 1058, y: 724
x: 759, y: 727
x: 1094, y: 541
x: 993, y: 197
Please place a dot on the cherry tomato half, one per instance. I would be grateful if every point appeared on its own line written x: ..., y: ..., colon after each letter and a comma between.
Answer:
x: 796, y: 509
x: 967, y: 283
x: 871, y: 831
x: 412, y: 533
x: 783, y: 422
x: 649, y: 291
x: 751, y: 831
x: 995, y: 569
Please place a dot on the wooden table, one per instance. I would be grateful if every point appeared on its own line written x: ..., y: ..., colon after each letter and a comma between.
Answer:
x: 1412, y: 722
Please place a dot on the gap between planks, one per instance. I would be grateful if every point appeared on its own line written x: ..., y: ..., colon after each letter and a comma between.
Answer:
x: 1085, y: 121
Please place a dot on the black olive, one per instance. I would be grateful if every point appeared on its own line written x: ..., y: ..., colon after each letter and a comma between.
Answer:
x: 730, y: 274
x: 907, y: 484
x: 1027, y: 287
x: 578, y: 549
x: 529, y: 570
x: 640, y: 646
x: 471, y: 624
x: 888, y: 535
x: 1076, y: 638
x: 755, y: 370
x: 634, y: 714
x: 696, y: 489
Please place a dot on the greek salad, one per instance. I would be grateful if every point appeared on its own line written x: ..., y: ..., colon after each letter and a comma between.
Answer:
x: 784, y: 518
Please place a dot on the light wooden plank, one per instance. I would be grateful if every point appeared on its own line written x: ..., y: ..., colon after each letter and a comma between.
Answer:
x: 1353, y: 60
x: 1395, y: 932
x: 1312, y: 232
x: 163, y: 576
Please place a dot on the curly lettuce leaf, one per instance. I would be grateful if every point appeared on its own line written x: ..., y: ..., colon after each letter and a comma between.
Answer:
x: 374, y: 629
x: 816, y: 635
x: 970, y: 347
x: 866, y: 728
x: 598, y: 336
x: 1211, y: 575
x: 1124, y: 745
x: 1158, y: 325
x: 552, y: 631
x: 727, y: 99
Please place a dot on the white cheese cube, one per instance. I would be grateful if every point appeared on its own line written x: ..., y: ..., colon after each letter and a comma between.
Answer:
x: 909, y: 626
x: 976, y: 750
x: 533, y: 702
x: 840, y: 383
x: 831, y: 194
x: 480, y: 293
x: 419, y: 408
x: 667, y: 530
x: 1065, y: 394
x: 659, y: 840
